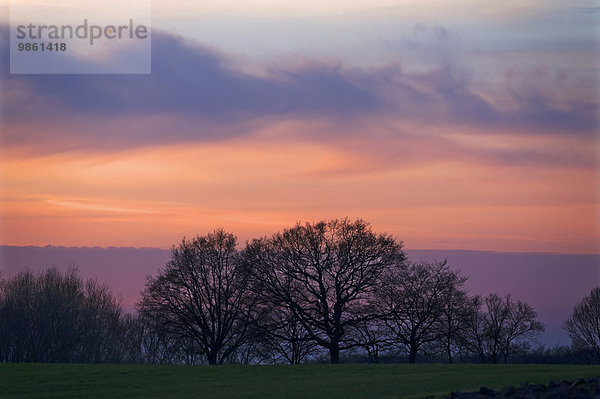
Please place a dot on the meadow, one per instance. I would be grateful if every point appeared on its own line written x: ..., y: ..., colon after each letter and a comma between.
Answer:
x: 348, y: 381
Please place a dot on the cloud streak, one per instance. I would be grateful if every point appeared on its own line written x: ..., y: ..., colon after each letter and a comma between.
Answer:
x: 205, y: 95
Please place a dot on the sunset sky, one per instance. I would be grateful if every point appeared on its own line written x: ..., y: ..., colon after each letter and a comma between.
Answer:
x: 450, y: 124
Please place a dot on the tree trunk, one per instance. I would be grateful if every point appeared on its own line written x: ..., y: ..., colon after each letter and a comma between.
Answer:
x: 334, y: 351
x: 412, y: 356
x: 212, y: 358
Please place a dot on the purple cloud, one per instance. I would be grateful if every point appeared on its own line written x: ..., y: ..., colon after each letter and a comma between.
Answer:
x: 205, y: 89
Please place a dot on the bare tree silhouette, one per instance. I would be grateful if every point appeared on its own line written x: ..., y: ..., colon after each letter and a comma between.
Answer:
x: 413, y: 295
x: 58, y: 317
x: 202, y: 294
x: 583, y: 326
x: 499, y: 327
x: 324, y: 274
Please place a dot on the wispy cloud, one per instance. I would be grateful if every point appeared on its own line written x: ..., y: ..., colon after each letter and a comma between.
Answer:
x: 95, y: 206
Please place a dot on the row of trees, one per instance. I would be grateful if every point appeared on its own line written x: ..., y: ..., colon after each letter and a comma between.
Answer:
x: 311, y: 292
x: 57, y: 317
x: 334, y: 286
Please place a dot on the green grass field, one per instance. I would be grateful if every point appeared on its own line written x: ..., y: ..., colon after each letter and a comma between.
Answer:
x: 305, y: 381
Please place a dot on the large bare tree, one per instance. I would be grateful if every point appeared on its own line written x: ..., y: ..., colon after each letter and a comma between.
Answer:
x: 499, y: 327
x: 584, y: 324
x: 414, y: 297
x: 324, y: 274
x: 520, y: 329
x: 203, y: 294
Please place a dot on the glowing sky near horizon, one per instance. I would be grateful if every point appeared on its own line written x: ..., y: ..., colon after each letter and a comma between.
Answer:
x: 450, y: 124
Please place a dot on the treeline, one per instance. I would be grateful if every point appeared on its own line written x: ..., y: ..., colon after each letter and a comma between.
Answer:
x: 328, y: 291
x: 57, y: 317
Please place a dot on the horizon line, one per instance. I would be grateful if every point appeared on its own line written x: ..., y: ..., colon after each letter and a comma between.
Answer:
x: 405, y: 249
